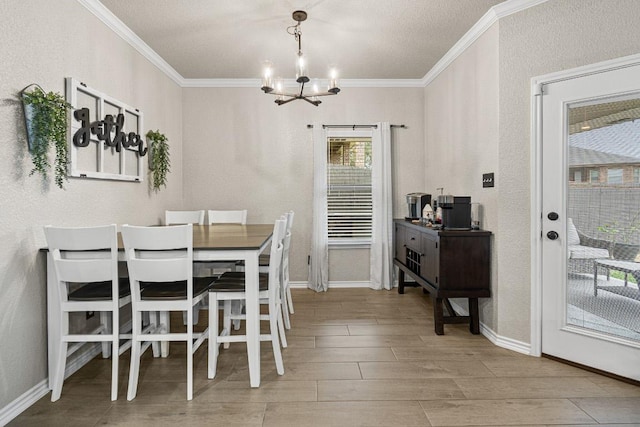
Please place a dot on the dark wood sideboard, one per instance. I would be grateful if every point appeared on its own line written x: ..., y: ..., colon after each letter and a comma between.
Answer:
x: 447, y: 264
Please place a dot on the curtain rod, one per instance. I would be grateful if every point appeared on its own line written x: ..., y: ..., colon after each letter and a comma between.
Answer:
x: 354, y: 127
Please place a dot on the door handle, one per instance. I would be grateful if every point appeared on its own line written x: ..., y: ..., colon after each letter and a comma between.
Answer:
x: 552, y: 235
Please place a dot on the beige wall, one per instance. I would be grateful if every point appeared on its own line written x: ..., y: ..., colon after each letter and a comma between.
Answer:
x: 554, y: 36
x: 461, y: 137
x: 43, y: 42
x: 244, y: 151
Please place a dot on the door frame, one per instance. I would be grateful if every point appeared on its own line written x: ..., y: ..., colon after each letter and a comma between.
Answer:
x: 537, y: 89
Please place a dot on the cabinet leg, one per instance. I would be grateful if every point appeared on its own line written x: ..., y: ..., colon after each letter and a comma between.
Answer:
x: 400, y: 281
x: 438, y: 316
x: 474, y: 316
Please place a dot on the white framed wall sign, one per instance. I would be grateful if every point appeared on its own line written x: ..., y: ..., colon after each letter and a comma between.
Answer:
x: 106, y: 139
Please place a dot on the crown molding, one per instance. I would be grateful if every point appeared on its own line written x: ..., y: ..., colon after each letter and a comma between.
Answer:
x: 498, y: 11
x: 119, y: 27
x: 492, y: 16
x: 255, y: 83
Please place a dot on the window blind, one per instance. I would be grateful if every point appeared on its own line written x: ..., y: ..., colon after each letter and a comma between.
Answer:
x: 349, y: 197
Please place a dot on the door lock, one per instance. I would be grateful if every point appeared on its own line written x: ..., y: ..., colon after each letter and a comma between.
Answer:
x: 553, y: 216
x: 552, y: 235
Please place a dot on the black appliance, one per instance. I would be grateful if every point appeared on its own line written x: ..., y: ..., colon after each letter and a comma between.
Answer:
x: 456, y: 212
x: 415, y: 203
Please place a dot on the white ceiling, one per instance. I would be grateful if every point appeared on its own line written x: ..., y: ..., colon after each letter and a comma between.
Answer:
x: 363, y: 39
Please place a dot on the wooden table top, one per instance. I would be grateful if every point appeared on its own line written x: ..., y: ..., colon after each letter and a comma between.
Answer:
x: 223, y: 236
x: 231, y: 236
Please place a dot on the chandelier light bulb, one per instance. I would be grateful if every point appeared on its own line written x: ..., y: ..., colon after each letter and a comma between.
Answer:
x: 333, y: 81
x: 267, y: 77
x: 301, y: 69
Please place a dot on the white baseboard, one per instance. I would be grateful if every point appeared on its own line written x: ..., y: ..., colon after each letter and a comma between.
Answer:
x: 500, y: 341
x: 37, y: 392
x: 333, y: 285
x: 23, y: 402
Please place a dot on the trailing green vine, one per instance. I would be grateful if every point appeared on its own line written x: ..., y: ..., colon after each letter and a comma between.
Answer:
x: 46, y: 115
x: 160, y: 164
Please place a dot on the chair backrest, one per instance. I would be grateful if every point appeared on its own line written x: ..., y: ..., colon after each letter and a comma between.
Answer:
x: 275, y: 256
x: 184, y: 217
x: 287, y: 244
x: 83, y: 255
x: 227, y: 217
x: 159, y: 254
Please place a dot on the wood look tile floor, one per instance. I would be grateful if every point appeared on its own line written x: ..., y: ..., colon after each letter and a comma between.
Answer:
x: 356, y: 357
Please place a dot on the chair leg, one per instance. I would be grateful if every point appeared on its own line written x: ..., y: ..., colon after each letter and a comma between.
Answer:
x: 106, y: 325
x: 152, y: 319
x: 134, y: 368
x: 196, y: 315
x: 285, y: 308
x: 226, y: 320
x: 236, y: 308
x: 164, y: 324
x: 212, y: 360
x: 275, y: 342
x: 59, y: 374
x: 190, y: 359
x: 283, y: 337
x: 289, y: 299
x: 115, y: 354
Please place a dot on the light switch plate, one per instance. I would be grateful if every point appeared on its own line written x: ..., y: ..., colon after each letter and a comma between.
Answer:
x: 487, y: 180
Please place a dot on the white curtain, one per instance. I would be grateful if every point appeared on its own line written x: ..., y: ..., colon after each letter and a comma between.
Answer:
x: 319, y: 265
x: 381, y: 273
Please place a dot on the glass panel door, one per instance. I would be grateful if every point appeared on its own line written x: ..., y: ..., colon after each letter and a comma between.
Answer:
x: 604, y: 210
x: 591, y: 220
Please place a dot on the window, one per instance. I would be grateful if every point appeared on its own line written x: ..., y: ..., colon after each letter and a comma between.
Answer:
x: 636, y: 175
x: 349, y: 198
x: 594, y: 175
x: 614, y: 176
x: 577, y: 176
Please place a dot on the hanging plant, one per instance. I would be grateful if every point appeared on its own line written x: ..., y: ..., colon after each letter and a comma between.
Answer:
x: 159, y: 163
x: 46, y: 122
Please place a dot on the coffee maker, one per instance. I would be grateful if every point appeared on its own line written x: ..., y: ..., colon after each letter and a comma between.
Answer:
x: 456, y: 212
x: 415, y: 203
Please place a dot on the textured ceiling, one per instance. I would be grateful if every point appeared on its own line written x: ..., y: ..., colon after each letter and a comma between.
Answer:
x: 363, y: 39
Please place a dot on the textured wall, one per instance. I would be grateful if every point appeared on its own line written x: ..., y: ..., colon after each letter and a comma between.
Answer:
x: 554, y: 36
x: 461, y: 134
x: 43, y: 42
x: 244, y: 151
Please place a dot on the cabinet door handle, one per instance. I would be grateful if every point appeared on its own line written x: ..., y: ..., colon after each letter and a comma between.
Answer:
x: 413, y: 238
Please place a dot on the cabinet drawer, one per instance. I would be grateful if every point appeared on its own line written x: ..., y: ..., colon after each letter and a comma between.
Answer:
x: 412, y: 240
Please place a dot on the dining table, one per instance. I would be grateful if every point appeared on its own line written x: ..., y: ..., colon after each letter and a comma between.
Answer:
x: 217, y: 242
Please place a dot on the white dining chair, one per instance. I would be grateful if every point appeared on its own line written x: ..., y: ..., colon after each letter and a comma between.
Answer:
x: 85, y: 261
x: 227, y: 216
x: 184, y: 217
x: 287, y: 300
x: 160, y: 263
x: 199, y: 269
x: 231, y: 287
x: 224, y: 217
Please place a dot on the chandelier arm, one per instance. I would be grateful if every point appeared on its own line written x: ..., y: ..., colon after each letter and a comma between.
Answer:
x: 310, y: 101
x: 289, y: 94
x: 282, y: 102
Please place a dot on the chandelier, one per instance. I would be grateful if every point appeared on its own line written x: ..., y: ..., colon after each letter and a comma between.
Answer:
x: 278, y: 89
